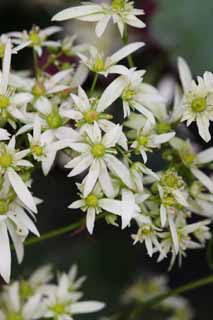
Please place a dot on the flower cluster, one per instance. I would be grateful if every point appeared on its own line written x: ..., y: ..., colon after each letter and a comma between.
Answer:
x: 39, y: 297
x: 51, y: 109
x: 150, y: 287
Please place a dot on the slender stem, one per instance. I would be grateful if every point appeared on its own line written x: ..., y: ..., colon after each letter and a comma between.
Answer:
x: 35, y: 60
x: 94, y: 83
x: 125, y: 41
x: 58, y: 232
x: 161, y: 297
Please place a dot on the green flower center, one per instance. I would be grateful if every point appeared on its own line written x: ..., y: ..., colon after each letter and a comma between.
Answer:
x: 171, y: 181
x: 37, y: 150
x: 199, y: 104
x: 142, y: 140
x: 2, y: 50
x: 91, y: 116
x: 118, y: 4
x: 38, y: 89
x: 58, y: 308
x: 163, y: 127
x: 98, y: 150
x: 4, y: 101
x: 99, y: 65
x: 91, y: 201
x: 54, y: 120
x: 169, y: 201
x: 128, y: 94
x: 3, y: 206
x: 188, y: 158
x: 25, y: 290
x: 146, y: 230
x: 34, y: 38
x: 14, y: 316
x: 6, y: 160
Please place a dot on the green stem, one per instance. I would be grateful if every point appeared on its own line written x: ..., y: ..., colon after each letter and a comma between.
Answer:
x: 59, y: 232
x: 125, y: 41
x: 161, y: 297
x: 35, y: 60
x: 93, y: 84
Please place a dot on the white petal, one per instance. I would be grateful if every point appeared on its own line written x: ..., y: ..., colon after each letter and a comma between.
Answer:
x: 105, y: 181
x: 90, y: 220
x: 163, y: 215
x: 5, y: 255
x: 6, y: 68
x: 92, y: 177
x: 76, y: 12
x: 173, y: 233
x: 185, y: 74
x: 125, y: 51
x: 111, y: 205
x: 101, y: 25
x: 111, y: 93
x: 205, y: 156
x: 112, y: 136
x: 119, y: 169
x: 17, y: 242
x: 86, y: 307
x: 203, y: 178
x: 21, y: 190
x: 203, y: 128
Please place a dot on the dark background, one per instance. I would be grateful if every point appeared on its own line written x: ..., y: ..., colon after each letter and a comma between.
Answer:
x: 108, y: 257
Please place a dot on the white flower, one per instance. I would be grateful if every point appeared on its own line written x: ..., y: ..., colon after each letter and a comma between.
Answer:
x: 10, y: 102
x: 14, y: 222
x: 194, y: 161
x: 97, y: 63
x: 96, y: 153
x: 11, y: 161
x: 43, y: 150
x: 13, y: 305
x: 94, y: 203
x: 185, y: 241
x: 36, y: 38
x: 86, y: 111
x: 52, y: 120
x: 122, y: 13
x: 59, y: 302
x: 148, y: 233
x: 49, y: 85
x: 138, y: 95
x: 197, y: 101
x: 147, y: 140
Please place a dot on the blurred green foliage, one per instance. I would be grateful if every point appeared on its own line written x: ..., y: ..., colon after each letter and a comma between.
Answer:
x: 184, y: 27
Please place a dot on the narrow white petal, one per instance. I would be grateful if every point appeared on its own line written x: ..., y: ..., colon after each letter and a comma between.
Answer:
x: 119, y: 169
x: 101, y: 25
x: 86, y: 307
x: 125, y: 51
x: 203, y: 178
x: 111, y: 93
x: 92, y: 177
x: 205, y: 156
x: 163, y: 215
x: 6, y: 68
x: 76, y: 12
x: 21, y: 190
x: 106, y: 181
x: 185, y: 74
x: 90, y: 220
x: 5, y: 255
